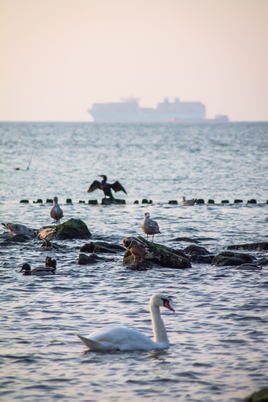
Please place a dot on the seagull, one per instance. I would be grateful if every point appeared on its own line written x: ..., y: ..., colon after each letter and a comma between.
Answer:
x: 149, y: 226
x: 136, y: 247
x: 188, y: 202
x: 56, y: 211
x: 40, y: 271
x: 106, y: 187
x: 114, y: 337
x: 18, y: 229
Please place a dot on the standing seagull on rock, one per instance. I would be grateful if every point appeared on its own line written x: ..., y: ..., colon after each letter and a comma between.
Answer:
x: 106, y: 187
x: 56, y: 211
x: 149, y: 226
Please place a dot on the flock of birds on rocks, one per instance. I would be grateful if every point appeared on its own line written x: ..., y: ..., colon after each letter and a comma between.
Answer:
x: 136, y: 247
x: 110, y: 337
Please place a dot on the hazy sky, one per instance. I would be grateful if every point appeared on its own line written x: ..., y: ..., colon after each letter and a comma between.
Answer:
x: 58, y: 57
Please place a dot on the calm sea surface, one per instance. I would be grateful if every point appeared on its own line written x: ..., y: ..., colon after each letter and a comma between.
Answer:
x: 219, y: 332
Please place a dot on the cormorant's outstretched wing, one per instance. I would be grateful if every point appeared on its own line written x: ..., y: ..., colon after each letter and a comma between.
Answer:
x: 116, y: 186
x: 94, y: 186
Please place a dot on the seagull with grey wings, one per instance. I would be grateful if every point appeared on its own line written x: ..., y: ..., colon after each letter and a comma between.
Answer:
x: 149, y: 226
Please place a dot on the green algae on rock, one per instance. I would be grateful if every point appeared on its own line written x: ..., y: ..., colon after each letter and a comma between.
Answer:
x: 160, y: 255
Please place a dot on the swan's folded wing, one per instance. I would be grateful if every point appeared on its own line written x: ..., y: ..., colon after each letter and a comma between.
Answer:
x: 123, y: 338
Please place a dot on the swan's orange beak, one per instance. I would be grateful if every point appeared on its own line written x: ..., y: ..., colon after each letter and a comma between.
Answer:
x: 167, y: 305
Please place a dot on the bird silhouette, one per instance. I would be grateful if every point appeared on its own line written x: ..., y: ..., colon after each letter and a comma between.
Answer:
x: 106, y: 187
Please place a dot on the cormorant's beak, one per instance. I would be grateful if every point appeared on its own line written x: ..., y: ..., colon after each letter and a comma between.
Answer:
x: 167, y: 305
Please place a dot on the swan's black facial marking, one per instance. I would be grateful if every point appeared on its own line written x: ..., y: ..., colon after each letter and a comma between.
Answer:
x: 167, y: 305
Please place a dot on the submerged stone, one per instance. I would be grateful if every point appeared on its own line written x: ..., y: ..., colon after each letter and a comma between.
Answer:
x: 109, y: 201
x: 84, y: 259
x: 250, y: 246
x: 198, y: 254
x: 226, y: 258
x: 101, y: 247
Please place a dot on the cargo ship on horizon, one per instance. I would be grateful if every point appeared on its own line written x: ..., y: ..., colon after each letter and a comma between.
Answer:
x: 128, y: 111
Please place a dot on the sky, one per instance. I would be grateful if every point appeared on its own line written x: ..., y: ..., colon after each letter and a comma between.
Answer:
x: 58, y: 57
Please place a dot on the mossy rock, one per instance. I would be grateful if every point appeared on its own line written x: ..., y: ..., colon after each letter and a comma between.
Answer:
x: 73, y: 229
x: 160, y: 255
x: 259, y: 396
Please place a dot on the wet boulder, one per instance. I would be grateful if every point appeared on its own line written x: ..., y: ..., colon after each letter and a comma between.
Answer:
x: 72, y: 229
x: 231, y: 258
x: 263, y: 246
x: 84, y: 259
x: 160, y: 255
x: 101, y: 247
x: 198, y: 254
x: 186, y: 239
x: 249, y: 267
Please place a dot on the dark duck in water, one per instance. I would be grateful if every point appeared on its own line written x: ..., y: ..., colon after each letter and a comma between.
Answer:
x: 106, y: 187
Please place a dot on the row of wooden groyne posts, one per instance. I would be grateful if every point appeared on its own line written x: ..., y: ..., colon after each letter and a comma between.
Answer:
x: 107, y: 201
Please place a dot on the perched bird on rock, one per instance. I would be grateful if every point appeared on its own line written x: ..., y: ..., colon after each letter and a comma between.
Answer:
x: 40, y: 271
x: 18, y: 229
x: 47, y: 235
x: 136, y: 247
x: 188, y: 202
x: 106, y: 187
x: 149, y: 226
x: 56, y: 211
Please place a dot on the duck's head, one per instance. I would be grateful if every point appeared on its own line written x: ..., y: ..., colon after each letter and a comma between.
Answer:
x: 103, y: 176
x: 160, y: 300
x: 26, y: 267
x: 126, y: 243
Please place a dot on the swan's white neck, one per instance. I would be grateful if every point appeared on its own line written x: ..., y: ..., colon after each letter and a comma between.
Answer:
x: 159, y: 329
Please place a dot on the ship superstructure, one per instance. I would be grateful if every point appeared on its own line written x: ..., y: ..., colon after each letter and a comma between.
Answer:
x: 128, y: 110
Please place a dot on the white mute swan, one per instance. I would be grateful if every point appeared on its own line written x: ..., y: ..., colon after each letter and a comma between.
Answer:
x: 122, y: 338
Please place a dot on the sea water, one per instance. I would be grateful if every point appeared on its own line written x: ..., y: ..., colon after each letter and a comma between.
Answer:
x: 218, y: 333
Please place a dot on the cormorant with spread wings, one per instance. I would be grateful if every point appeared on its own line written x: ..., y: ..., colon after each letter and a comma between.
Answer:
x: 106, y: 187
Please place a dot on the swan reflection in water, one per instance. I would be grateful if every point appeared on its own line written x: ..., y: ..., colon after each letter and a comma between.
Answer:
x: 111, y: 338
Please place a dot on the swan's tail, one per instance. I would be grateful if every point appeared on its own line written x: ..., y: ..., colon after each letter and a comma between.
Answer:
x: 90, y: 343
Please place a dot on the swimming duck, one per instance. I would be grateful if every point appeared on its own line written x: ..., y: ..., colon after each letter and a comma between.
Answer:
x: 121, y: 338
x: 149, y: 226
x: 106, y: 187
x: 51, y: 263
x: 56, y: 211
x: 18, y: 229
x: 185, y: 202
x: 136, y: 247
x: 40, y: 271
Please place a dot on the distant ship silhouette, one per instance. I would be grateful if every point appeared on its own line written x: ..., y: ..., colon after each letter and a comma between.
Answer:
x: 128, y: 110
